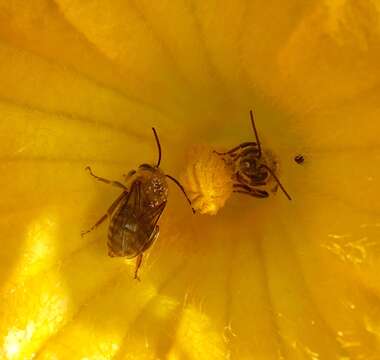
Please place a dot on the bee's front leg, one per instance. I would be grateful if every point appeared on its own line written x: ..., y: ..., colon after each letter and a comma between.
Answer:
x: 107, y: 214
x: 111, y: 182
x: 138, y: 264
x: 129, y: 175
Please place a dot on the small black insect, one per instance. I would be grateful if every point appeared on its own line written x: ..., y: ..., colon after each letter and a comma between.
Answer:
x: 250, y: 169
x: 299, y: 159
x: 135, y: 213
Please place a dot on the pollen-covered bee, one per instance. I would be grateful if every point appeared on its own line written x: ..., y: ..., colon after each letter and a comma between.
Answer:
x: 251, y: 169
x: 135, y: 213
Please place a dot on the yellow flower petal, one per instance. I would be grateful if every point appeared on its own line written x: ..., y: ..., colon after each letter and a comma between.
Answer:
x: 83, y: 82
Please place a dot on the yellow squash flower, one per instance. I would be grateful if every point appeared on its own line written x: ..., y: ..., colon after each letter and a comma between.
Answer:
x: 83, y: 82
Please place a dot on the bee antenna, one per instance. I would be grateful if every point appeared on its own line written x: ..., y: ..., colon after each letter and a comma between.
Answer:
x: 182, y: 189
x: 277, y: 180
x: 255, y: 131
x: 158, y: 146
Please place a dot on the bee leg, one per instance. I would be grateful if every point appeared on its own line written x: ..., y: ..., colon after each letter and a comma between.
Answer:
x: 111, y: 182
x: 274, y: 189
x: 255, y: 193
x: 236, y: 148
x: 138, y: 264
x: 107, y: 214
x: 104, y: 217
x: 245, y: 179
x: 127, y: 176
x: 241, y: 187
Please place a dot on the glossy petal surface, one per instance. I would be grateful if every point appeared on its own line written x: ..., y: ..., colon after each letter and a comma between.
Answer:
x: 82, y: 83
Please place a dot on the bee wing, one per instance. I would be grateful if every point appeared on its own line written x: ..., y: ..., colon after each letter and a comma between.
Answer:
x: 152, y: 215
x: 134, y: 200
x: 151, y: 219
x: 148, y: 215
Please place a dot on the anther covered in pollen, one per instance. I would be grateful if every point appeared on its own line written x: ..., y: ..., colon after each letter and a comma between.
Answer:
x: 207, y: 180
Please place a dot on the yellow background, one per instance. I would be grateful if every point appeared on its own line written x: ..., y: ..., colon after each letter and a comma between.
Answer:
x: 82, y: 83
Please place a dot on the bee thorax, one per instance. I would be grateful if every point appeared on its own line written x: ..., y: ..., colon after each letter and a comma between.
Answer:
x: 155, y: 190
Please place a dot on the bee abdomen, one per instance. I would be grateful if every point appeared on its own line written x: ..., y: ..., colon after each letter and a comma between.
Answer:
x: 122, y: 235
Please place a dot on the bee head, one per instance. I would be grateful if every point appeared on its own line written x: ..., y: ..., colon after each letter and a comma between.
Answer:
x: 148, y: 167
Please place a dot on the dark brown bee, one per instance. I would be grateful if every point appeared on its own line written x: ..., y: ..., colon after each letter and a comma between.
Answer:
x: 135, y: 213
x: 251, y: 171
x: 299, y: 159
